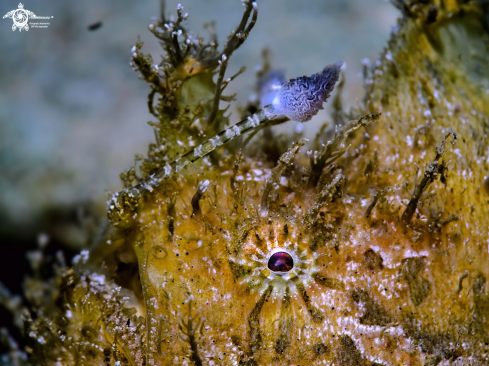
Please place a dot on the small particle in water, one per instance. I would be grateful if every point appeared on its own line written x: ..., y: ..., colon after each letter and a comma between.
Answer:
x: 280, y: 262
x: 94, y: 26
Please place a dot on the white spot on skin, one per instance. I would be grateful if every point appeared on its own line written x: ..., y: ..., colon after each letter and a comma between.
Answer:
x: 98, y: 278
x: 83, y: 257
x: 254, y: 121
x: 167, y: 170
x: 198, y: 151
x: 203, y: 187
x: 229, y: 133
x: 409, y: 141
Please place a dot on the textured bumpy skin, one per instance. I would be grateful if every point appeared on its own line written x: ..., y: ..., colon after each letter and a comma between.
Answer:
x: 389, y: 244
x: 300, y: 99
x: 363, y: 290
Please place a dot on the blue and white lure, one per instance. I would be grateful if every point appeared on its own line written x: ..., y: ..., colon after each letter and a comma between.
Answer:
x: 300, y: 99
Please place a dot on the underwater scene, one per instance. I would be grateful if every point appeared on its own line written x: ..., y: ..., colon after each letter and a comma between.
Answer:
x: 332, y: 212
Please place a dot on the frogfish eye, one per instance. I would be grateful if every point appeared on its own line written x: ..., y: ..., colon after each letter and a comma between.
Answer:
x: 281, y: 262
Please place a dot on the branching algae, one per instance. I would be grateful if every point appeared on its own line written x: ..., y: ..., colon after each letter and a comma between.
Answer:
x: 231, y: 246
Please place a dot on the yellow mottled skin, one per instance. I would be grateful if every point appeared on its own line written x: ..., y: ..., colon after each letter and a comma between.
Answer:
x: 373, y: 283
x: 405, y: 308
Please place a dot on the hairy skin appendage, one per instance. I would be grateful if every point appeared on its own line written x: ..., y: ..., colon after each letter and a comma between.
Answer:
x: 231, y: 245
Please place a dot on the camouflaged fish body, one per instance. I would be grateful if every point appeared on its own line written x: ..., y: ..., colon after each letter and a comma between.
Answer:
x: 281, y: 272
x: 366, y: 246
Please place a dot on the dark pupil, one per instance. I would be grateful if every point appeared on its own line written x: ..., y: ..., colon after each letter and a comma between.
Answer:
x: 281, y: 262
